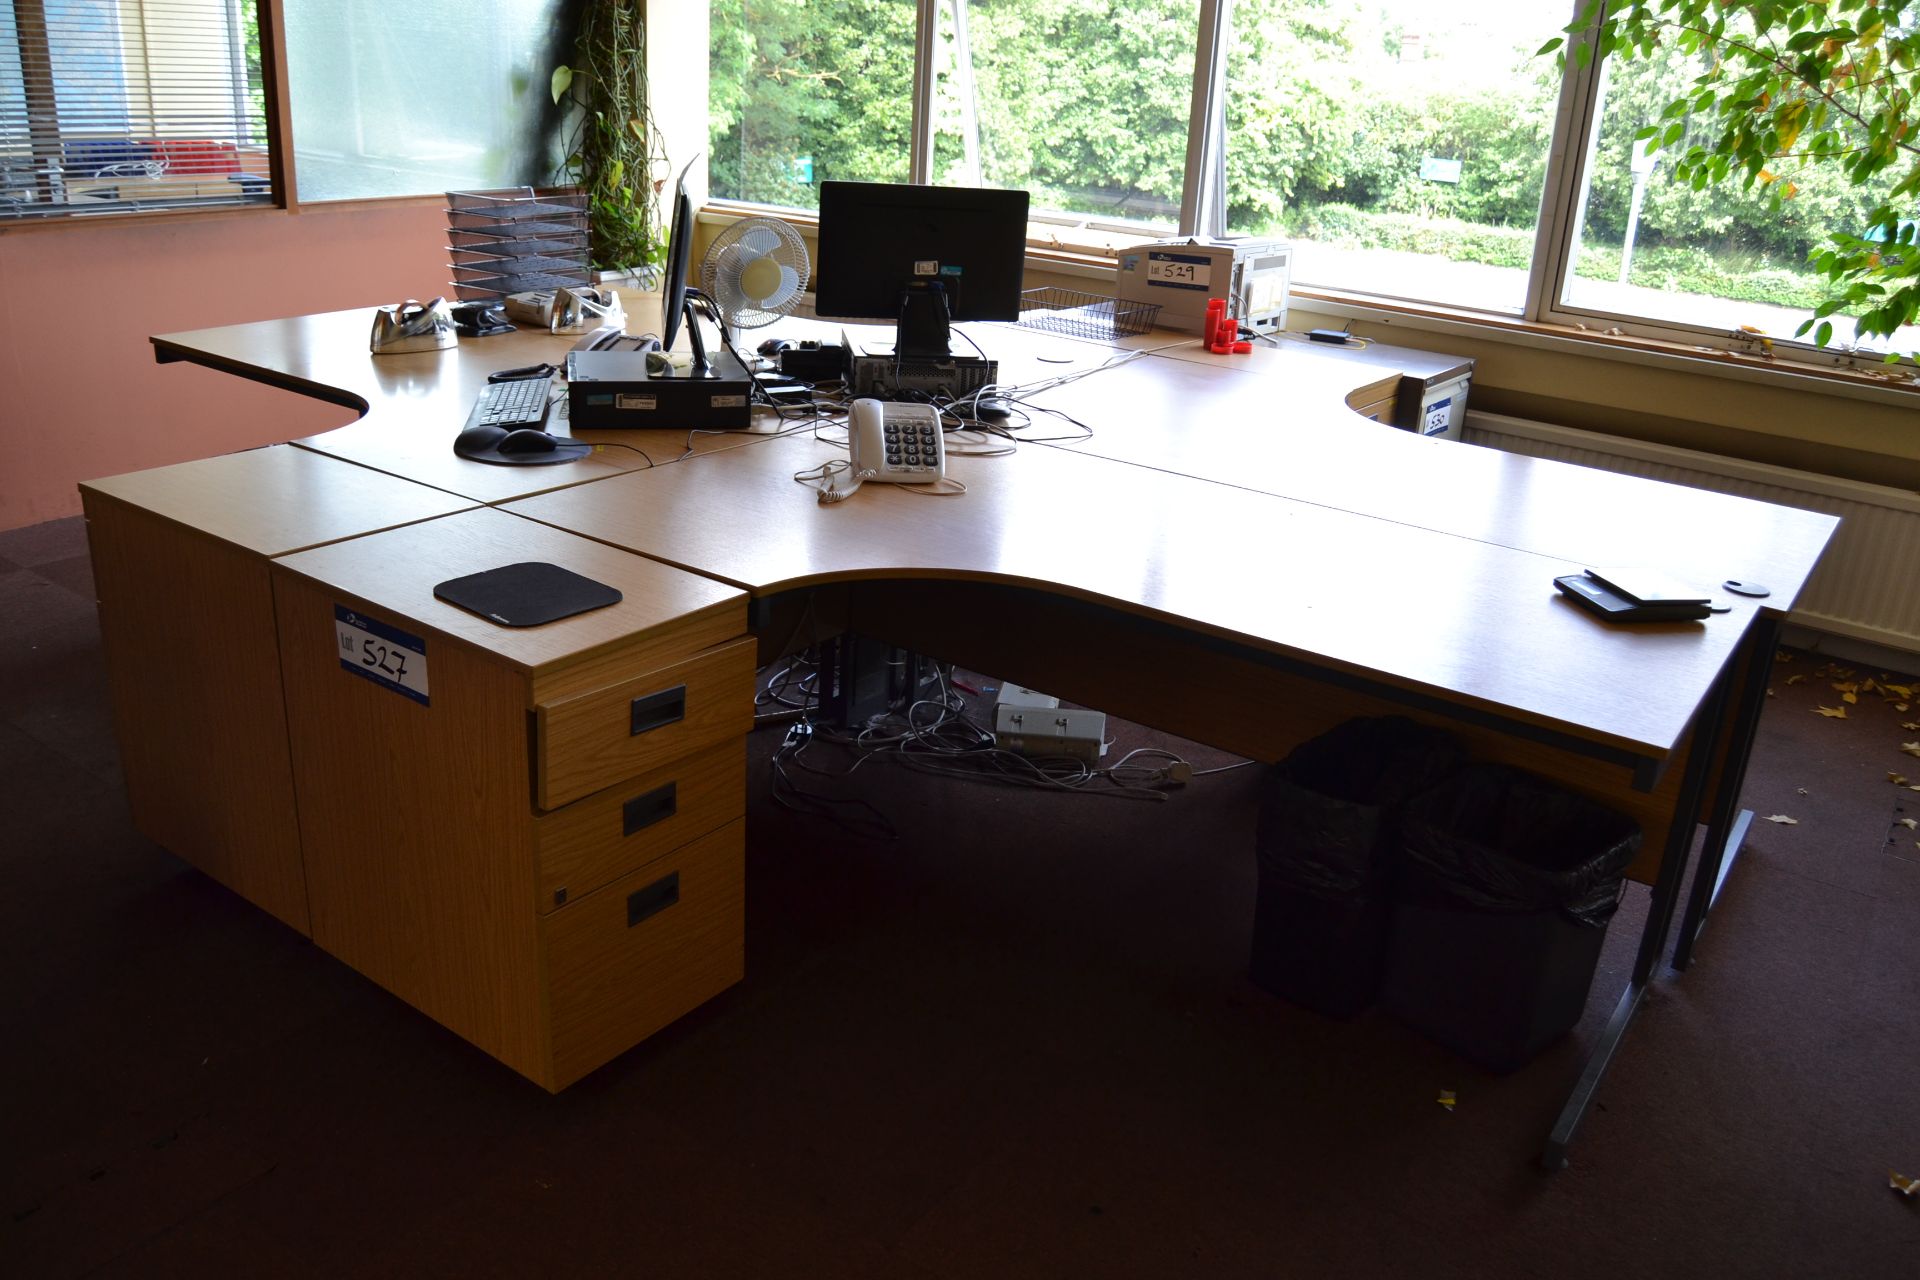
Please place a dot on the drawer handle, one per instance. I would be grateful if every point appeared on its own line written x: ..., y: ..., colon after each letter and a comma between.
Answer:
x: 655, y: 898
x: 642, y: 812
x: 657, y: 710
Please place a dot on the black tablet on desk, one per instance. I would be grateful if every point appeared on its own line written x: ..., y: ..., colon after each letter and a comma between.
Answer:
x: 1598, y: 597
x: 1648, y: 586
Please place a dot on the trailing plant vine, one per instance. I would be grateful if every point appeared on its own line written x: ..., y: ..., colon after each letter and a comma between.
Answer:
x: 613, y: 149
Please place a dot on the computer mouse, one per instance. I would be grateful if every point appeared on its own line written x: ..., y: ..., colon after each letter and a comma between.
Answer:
x: 474, y: 439
x: 774, y: 346
x: 527, y: 440
x: 990, y: 407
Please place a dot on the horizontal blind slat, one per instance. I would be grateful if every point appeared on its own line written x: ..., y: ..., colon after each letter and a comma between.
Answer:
x: 120, y: 106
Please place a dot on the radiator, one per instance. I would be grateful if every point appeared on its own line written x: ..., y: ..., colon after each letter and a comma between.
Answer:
x: 1867, y: 586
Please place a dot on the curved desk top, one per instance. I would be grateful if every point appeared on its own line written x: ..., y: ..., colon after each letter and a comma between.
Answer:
x: 413, y: 404
x: 1466, y: 622
x: 1246, y: 504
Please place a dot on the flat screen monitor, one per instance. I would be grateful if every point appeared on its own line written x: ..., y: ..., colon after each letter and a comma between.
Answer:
x: 919, y: 256
x: 679, y: 250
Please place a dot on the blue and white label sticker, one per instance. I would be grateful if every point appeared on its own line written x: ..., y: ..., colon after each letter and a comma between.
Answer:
x: 385, y: 655
x: 1438, y: 418
x: 1180, y: 270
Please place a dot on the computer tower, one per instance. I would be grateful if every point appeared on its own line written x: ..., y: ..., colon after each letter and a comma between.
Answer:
x: 861, y: 678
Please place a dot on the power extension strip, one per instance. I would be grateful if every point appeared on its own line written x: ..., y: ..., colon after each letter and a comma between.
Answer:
x: 1051, y: 731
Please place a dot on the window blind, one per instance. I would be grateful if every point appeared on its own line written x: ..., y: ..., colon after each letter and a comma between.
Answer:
x: 117, y: 106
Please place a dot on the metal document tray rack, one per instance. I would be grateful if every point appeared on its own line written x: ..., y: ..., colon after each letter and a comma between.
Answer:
x: 1085, y: 315
x: 515, y: 239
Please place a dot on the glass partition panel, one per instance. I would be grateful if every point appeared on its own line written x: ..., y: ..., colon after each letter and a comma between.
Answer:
x: 423, y: 97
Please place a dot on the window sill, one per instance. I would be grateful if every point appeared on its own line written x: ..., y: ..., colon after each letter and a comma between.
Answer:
x: 1091, y: 263
x: 160, y: 217
x: 1896, y: 386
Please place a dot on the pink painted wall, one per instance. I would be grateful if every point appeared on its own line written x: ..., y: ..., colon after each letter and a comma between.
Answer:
x: 80, y: 394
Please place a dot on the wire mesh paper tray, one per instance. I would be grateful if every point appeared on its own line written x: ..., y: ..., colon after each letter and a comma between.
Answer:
x: 1085, y: 315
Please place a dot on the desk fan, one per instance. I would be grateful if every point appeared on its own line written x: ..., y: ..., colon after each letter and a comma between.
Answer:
x: 753, y: 273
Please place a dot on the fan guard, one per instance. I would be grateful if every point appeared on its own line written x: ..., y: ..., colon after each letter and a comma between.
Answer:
x: 754, y: 272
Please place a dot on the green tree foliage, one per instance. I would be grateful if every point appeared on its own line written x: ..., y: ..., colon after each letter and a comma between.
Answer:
x: 1809, y: 102
x: 825, y: 82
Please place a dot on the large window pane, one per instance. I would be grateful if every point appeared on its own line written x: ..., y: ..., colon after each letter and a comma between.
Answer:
x: 804, y: 92
x: 432, y: 95
x: 1400, y: 144
x: 1082, y: 103
x: 1720, y: 258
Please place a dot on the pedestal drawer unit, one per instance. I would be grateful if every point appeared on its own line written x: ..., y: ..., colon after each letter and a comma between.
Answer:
x: 532, y: 834
x: 180, y: 560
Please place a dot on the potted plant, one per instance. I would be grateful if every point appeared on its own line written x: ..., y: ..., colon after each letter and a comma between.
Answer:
x: 613, y: 150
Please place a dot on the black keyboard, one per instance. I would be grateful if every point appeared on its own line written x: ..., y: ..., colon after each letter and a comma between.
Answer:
x: 519, y: 402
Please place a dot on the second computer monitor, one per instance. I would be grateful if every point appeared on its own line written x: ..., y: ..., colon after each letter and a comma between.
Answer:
x: 919, y: 256
x: 679, y: 255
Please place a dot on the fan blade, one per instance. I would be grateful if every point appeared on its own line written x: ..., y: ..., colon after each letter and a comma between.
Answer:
x: 784, y: 293
x: 759, y: 241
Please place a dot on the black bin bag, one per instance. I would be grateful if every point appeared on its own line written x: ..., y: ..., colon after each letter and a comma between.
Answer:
x: 1327, y: 841
x: 1507, y: 884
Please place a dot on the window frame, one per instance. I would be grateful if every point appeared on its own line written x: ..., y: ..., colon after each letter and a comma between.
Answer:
x: 1543, y: 315
x: 279, y: 168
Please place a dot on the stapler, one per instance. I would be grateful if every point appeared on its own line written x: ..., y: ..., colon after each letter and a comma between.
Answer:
x: 568, y: 310
x: 413, y: 326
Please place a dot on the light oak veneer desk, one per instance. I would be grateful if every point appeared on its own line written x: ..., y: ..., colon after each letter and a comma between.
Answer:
x: 1276, y: 563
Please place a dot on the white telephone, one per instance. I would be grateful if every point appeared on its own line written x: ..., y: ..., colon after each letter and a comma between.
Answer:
x: 895, y: 443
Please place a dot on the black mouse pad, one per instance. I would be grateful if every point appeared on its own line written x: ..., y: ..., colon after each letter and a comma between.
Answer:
x: 526, y: 594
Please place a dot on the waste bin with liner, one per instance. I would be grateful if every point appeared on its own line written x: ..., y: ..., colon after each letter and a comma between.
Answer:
x: 1326, y: 843
x: 1506, y: 888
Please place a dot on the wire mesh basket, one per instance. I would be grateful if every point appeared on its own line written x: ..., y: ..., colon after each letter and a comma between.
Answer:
x: 1085, y: 315
x: 515, y: 239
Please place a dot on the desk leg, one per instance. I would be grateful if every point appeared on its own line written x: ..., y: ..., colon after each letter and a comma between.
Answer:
x: 1653, y: 937
x: 1727, y: 823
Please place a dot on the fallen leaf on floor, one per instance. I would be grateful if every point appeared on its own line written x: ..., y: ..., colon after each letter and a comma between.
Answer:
x: 1836, y: 713
x: 1911, y: 748
x: 1911, y: 824
x: 1783, y: 820
x: 1904, y: 1185
x: 1912, y: 726
x: 1851, y: 699
x: 1841, y: 686
x: 1783, y: 655
x: 1801, y: 679
x: 1904, y: 692
x: 1901, y: 707
x: 1897, y: 779
x: 1800, y: 791
x: 1447, y: 1099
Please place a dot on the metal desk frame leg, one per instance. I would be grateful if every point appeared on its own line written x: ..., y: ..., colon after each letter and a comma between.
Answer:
x: 1653, y: 937
x: 1727, y: 823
